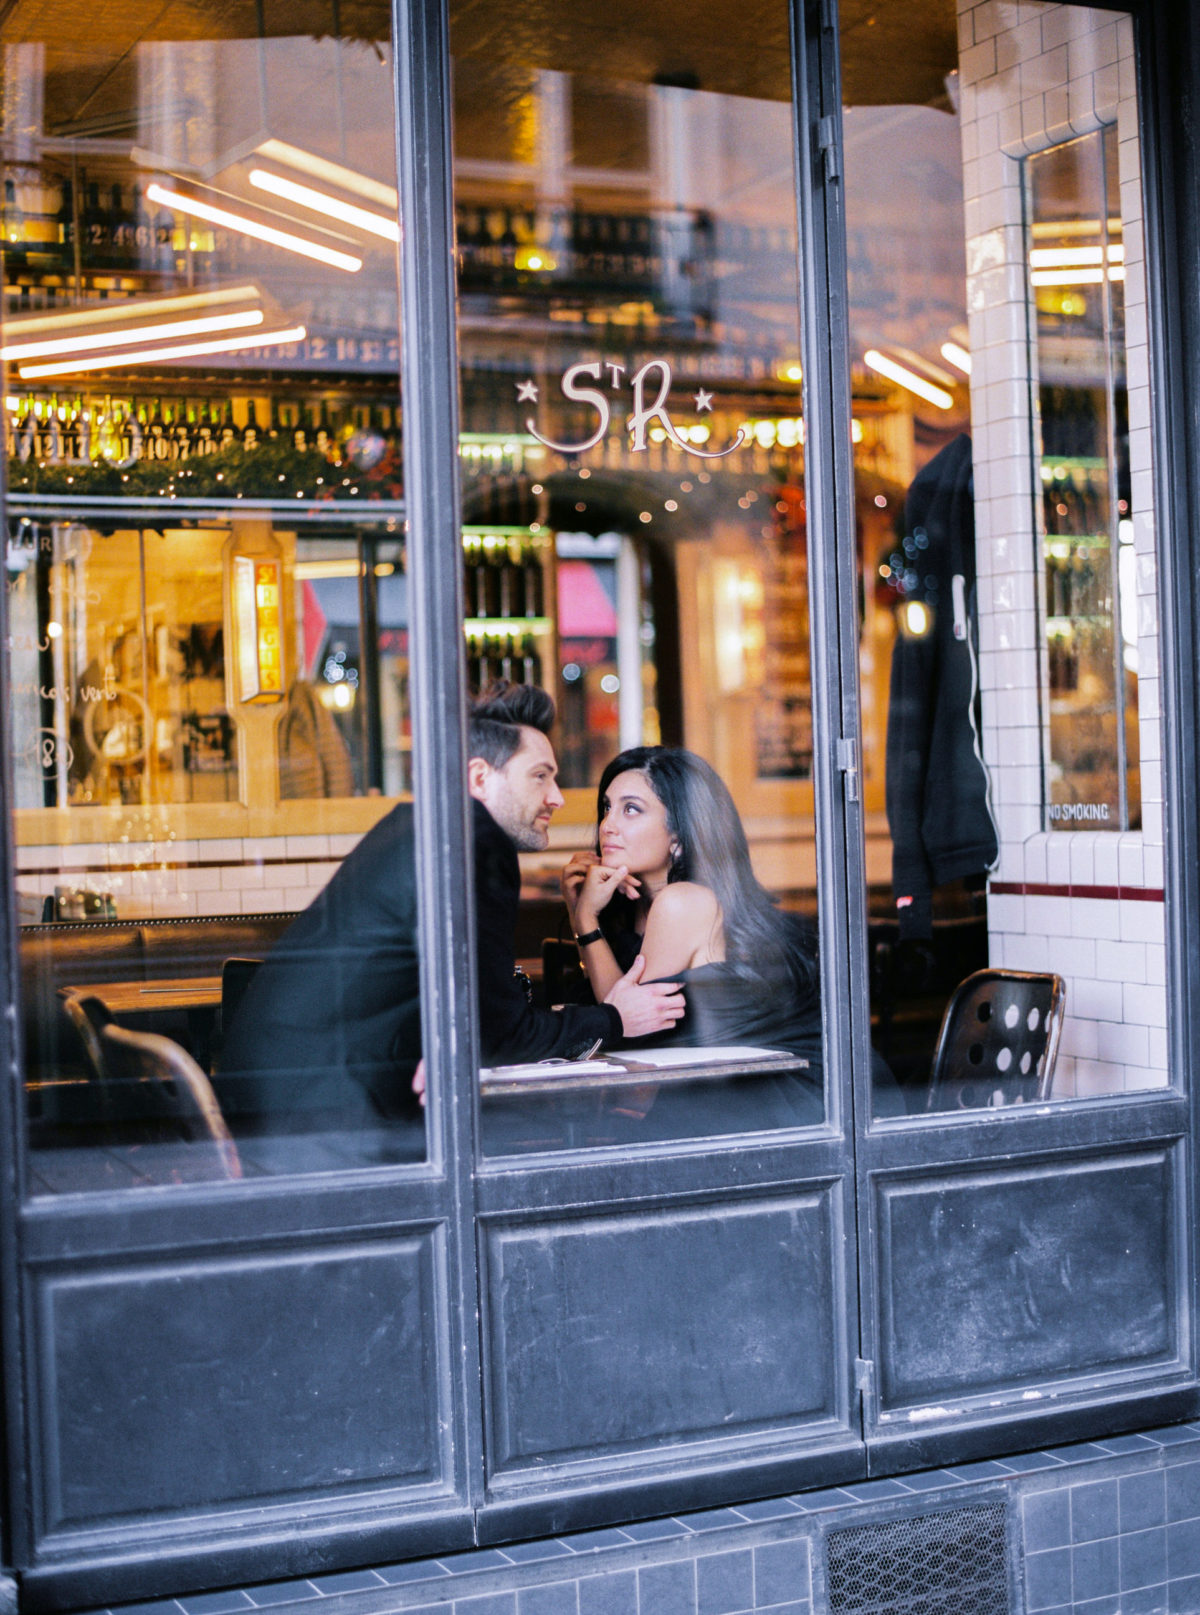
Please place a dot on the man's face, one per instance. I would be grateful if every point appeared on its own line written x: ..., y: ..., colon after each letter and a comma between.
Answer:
x: 523, y: 794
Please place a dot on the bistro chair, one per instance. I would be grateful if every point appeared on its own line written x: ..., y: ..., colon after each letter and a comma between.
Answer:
x: 89, y: 1016
x: 181, y: 1093
x: 998, y: 1041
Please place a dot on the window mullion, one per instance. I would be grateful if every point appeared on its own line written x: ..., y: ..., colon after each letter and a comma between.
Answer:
x: 429, y: 360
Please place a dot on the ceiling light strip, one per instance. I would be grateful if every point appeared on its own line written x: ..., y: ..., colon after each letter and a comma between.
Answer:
x: 145, y: 333
x: 330, y: 206
x: 109, y: 313
x: 251, y: 227
x: 954, y: 353
x: 182, y: 350
x: 883, y: 366
x: 346, y: 179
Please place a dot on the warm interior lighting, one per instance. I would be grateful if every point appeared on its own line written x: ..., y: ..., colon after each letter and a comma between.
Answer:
x: 251, y: 227
x: 143, y: 333
x: 535, y: 259
x: 903, y: 377
x: 1074, y: 257
x: 1076, y: 266
x: 330, y: 206
x: 346, y: 179
x: 1076, y: 277
x: 957, y: 356
x: 181, y: 350
x: 257, y: 598
x: 137, y: 308
x: 307, y: 570
x: 1074, y: 227
x: 916, y: 619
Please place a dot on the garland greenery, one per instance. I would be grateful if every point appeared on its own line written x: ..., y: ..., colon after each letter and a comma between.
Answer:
x: 273, y: 469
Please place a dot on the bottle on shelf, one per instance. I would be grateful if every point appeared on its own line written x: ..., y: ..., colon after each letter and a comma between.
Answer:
x: 511, y: 588
x: 534, y: 582
x: 228, y: 432
x: 530, y: 670
x: 476, y: 663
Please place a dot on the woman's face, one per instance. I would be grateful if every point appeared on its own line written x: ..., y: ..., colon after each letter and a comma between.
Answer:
x: 633, y: 828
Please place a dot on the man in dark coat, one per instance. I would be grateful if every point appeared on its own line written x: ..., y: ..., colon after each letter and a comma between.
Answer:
x: 330, y: 1027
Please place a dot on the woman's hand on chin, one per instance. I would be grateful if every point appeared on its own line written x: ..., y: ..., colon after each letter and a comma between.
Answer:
x: 600, y: 886
x: 571, y: 879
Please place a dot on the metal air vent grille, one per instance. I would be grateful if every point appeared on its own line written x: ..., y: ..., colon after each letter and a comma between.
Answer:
x: 949, y: 1563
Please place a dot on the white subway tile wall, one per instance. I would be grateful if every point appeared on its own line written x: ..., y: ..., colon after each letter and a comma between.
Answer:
x: 1031, y: 76
x: 163, y: 880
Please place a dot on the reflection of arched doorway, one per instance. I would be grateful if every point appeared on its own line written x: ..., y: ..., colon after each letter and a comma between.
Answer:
x: 599, y: 516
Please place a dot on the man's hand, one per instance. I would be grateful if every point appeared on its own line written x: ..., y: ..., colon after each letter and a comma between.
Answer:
x: 645, y: 1009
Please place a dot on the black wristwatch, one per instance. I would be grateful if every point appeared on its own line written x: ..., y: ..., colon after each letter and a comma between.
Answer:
x: 588, y: 936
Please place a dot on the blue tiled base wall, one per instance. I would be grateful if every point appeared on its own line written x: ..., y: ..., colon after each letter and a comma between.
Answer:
x: 1103, y: 1528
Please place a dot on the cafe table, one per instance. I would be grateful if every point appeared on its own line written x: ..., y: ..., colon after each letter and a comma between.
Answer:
x: 658, y: 1067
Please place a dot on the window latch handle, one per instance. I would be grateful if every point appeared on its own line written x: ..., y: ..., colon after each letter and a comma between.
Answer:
x: 847, y: 761
x: 827, y: 141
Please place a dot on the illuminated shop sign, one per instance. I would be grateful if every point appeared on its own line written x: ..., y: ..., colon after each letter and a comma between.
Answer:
x: 257, y: 594
x: 646, y: 412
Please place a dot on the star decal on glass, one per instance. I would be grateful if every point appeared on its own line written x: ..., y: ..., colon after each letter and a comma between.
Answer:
x: 703, y: 401
x: 527, y: 392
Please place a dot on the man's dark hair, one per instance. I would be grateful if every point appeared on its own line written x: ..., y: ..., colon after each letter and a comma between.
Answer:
x: 497, y: 717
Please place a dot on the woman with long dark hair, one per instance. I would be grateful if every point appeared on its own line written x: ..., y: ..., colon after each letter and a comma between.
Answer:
x: 671, y: 879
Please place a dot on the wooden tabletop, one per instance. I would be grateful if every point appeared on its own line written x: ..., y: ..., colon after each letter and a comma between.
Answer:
x: 143, y: 997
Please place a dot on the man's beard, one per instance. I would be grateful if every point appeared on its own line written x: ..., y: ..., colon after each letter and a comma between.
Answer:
x: 530, y: 838
x: 526, y: 837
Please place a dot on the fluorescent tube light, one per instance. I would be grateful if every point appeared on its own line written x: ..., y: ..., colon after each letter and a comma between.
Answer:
x: 143, y: 333
x: 136, y: 308
x: 182, y: 350
x: 1076, y: 277
x: 957, y: 356
x: 330, y: 206
x: 346, y: 179
x: 1074, y: 257
x: 251, y: 227
x: 882, y: 365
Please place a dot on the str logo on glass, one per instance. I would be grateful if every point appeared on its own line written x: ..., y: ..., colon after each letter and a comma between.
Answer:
x: 642, y: 416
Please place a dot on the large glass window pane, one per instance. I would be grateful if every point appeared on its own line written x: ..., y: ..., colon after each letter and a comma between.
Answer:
x: 632, y: 425
x: 207, y: 593
x: 1010, y: 626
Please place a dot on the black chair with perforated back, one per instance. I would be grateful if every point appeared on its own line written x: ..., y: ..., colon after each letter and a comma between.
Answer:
x: 998, y: 1041
x: 175, y: 1088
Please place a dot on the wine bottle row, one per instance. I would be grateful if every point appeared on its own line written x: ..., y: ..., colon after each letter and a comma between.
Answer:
x: 1075, y: 503
x: 503, y: 576
x: 1079, y: 585
x: 54, y: 430
x: 493, y: 656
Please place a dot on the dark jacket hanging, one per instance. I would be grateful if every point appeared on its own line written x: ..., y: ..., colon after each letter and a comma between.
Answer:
x: 938, y: 796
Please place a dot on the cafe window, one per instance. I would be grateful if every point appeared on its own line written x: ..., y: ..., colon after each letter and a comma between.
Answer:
x: 1017, y: 566
x: 628, y: 316
x: 206, y: 577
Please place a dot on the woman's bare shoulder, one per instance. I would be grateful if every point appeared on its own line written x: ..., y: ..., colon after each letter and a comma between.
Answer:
x: 687, y: 900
